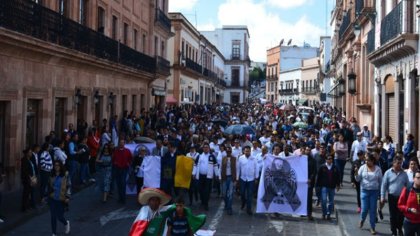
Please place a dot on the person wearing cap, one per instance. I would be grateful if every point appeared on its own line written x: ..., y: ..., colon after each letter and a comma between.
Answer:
x: 153, y: 201
x: 358, y: 145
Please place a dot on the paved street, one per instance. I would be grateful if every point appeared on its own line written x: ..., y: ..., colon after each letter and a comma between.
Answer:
x: 89, y: 216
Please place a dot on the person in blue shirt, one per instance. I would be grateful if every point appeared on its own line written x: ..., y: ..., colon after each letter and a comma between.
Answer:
x: 58, y: 198
x: 408, y: 150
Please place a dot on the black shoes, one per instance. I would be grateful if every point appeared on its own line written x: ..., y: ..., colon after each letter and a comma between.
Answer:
x: 243, y: 206
x: 381, y: 216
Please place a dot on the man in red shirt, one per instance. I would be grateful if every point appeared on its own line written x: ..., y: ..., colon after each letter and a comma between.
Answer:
x: 409, y: 205
x: 121, y: 161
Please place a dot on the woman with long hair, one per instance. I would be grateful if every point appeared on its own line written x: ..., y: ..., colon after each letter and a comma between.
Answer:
x: 370, y: 177
x: 58, y: 199
x: 105, y: 168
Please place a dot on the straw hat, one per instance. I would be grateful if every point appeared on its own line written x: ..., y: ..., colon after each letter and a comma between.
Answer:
x: 148, y: 193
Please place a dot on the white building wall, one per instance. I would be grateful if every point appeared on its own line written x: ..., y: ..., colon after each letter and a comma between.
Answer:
x: 294, y: 75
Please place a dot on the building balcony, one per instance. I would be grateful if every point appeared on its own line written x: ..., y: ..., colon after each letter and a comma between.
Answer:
x: 287, y: 92
x: 163, y: 66
x: 237, y: 86
x: 222, y: 83
x: 310, y: 90
x: 363, y: 8
x: 371, y: 41
x: 27, y: 17
x: 193, y: 65
x: 398, y: 37
x: 272, y: 78
x: 345, y: 25
x: 163, y: 20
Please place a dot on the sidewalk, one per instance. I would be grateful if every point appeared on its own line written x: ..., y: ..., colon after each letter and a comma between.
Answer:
x: 348, y: 218
x: 11, y: 213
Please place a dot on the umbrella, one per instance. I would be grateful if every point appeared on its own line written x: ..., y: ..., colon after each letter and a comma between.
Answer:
x: 143, y: 139
x: 268, y: 105
x: 287, y: 107
x: 220, y: 122
x: 300, y: 124
x: 240, y: 130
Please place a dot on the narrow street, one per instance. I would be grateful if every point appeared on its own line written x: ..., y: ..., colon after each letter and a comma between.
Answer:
x: 89, y: 216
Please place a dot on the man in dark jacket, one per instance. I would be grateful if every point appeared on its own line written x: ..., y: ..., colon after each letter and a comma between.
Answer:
x: 328, y: 180
x: 355, y: 167
x: 167, y: 173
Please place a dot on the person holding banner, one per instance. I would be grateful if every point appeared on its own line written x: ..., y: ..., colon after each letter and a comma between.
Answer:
x: 247, y: 174
x: 328, y: 180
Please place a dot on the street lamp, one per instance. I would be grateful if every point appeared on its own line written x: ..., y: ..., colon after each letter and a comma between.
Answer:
x: 352, y: 83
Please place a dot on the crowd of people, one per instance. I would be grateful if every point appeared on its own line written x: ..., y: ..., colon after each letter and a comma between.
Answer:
x: 229, y: 164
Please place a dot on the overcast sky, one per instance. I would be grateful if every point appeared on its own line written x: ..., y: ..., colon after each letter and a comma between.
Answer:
x: 268, y: 21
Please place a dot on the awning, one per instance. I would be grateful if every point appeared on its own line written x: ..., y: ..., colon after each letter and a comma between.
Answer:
x: 302, y: 101
x: 171, y: 100
x: 158, y: 92
x: 334, y: 91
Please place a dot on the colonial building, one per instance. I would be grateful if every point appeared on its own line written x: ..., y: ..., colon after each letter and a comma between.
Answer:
x: 393, y: 50
x: 197, y: 72
x: 325, y: 77
x: 309, y: 84
x: 353, y: 86
x: 64, y: 61
x: 374, y: 57
x: 289, y: 86
x: 286, y: 61
x: 233, y: 43
x: 272, y: 72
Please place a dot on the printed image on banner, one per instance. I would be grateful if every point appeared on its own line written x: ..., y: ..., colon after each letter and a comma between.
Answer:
x: 283, y: 185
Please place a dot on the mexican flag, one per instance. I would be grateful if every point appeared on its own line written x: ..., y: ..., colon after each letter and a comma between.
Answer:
x: 146, y: 224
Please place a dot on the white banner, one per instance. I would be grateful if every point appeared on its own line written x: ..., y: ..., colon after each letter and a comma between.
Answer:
x: 283, y: 185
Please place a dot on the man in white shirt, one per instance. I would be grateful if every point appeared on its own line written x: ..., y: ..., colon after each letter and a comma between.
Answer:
x: 255, y: 150
x: 358, y: 145
x: 266, y: 138
x: 315, y: 150
x: 237, y: 149
x: 206, y: 170
x: 247, y: 174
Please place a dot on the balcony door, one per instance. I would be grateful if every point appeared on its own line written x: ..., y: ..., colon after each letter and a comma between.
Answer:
x: 60, y: 111
x: 235, y: 77
x: 33, y: 129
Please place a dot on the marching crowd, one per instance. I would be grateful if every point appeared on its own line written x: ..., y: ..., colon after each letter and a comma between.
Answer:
x: 227, y: 161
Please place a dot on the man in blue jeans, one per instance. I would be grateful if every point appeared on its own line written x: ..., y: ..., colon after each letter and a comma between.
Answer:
x: 247, y: 173
x: 227, y: 171
x: 328, y: 180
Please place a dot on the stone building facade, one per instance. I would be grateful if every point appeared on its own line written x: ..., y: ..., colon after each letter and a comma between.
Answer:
x: 64, y: 61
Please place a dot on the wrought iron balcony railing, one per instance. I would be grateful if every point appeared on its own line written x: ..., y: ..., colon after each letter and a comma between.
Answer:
x: 399, y: 21
x: 288, y: 91
x: 163, y: 19
x: 163, y: 66
x: 344, y: 25
x: 371, y: 41
x: 32, y: 19
x: 310, y: 90
x: 359, y: 4
x: 193, y: 65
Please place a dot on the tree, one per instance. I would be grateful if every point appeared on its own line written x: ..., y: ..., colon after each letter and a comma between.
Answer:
x: 256, y: 75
